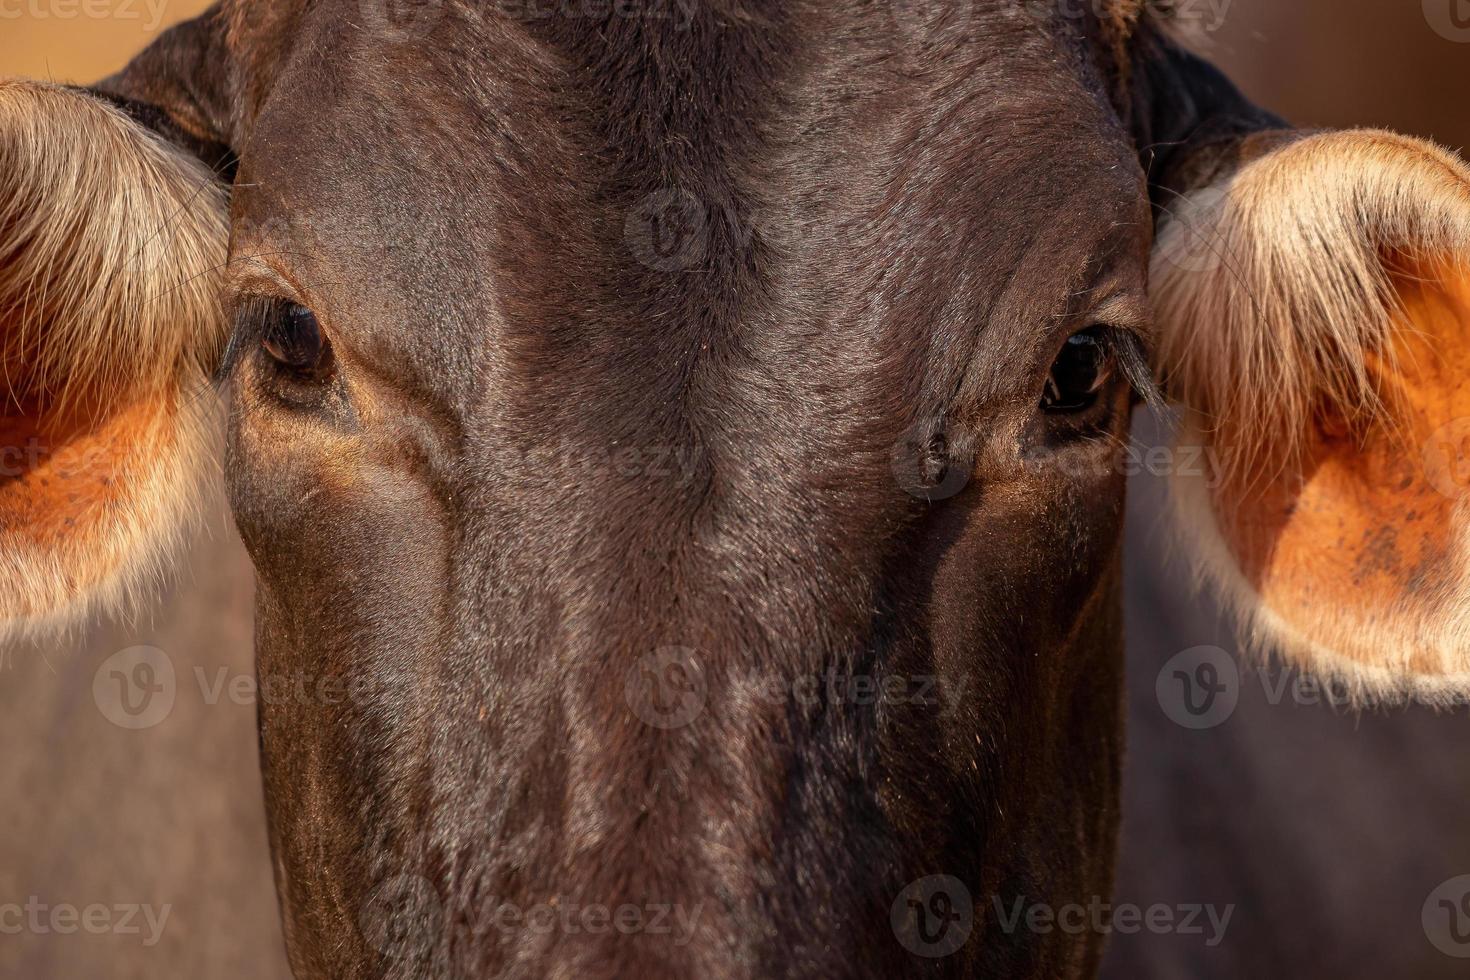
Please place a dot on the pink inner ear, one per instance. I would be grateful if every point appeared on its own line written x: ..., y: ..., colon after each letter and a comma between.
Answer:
x: 1358, y: 550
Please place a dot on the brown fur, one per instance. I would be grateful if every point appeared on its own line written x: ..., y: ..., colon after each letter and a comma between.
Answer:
x: 899, y: 228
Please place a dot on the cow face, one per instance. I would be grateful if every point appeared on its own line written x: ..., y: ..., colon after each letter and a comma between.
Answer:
x: 679, y: 452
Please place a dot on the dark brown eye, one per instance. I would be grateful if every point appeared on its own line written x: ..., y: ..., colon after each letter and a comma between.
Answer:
x: 1079, y: 374
x: 294, y: 339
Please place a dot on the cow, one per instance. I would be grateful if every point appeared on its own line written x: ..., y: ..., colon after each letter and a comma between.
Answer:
x: 678, y: 447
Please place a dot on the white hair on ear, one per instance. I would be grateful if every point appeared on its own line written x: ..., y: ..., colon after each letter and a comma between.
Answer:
x: 1278, y: 306
x: 112, y: 245
x: 1271, y: 290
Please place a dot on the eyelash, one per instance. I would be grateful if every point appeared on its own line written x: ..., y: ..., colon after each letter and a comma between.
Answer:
x: 257, y: 325
x: 1120, y: 353
x: 250, y: 318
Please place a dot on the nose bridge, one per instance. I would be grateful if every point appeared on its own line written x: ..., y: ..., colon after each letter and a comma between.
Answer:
x: 657, y: 556
x: 668, y: 584
x: 711, y: 541
x: 666, y: 482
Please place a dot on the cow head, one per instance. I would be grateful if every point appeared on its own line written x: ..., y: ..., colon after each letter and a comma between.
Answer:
x: 678, y: 446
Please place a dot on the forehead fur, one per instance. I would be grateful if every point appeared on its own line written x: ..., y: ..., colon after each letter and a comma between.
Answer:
x: 886, y: 193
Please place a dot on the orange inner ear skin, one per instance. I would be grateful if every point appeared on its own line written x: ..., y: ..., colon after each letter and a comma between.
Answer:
x: 20, y: 445
x: 59, y: 476
x: 1357, y: 545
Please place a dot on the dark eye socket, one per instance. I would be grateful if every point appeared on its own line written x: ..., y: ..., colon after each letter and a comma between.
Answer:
x: 294, y: 339
x: 1079, y: 374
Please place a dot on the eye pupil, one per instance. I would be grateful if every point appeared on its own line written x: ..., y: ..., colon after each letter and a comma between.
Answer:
x: 1078, y: 375
x: 294, y: 338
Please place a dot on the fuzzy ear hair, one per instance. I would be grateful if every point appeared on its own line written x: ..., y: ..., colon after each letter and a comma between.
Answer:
x: 112, y: 247
x: 1314, y: 313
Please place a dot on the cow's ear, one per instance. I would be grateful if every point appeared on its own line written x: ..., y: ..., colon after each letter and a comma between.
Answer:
x: 113, y: 237
x: 1312, y: 300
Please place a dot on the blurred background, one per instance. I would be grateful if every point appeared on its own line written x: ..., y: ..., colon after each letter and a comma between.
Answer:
x: 1325, y: 831
x: 81, y: 42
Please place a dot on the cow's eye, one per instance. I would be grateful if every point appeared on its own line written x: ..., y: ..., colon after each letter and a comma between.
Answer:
x: 294, y: 339
x: 1079, y: 374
